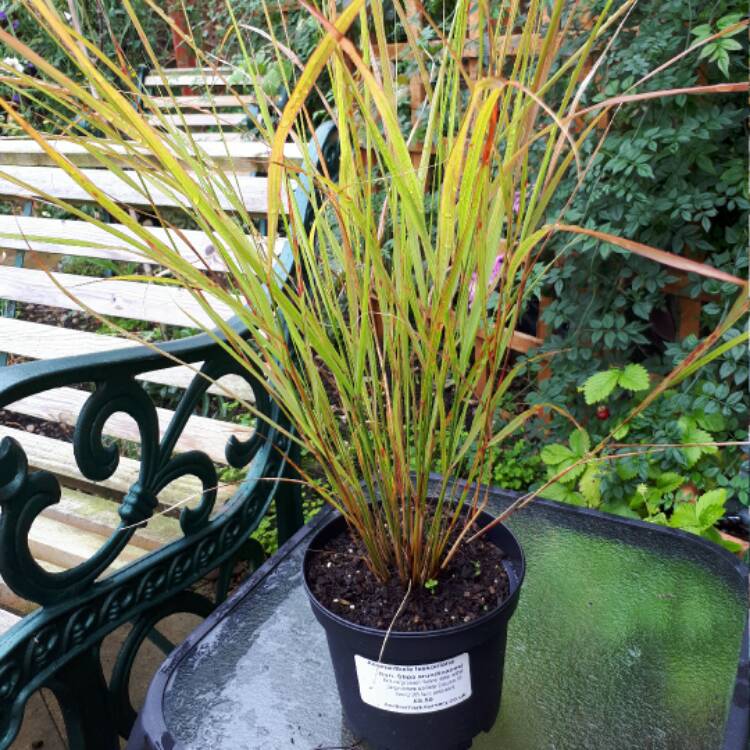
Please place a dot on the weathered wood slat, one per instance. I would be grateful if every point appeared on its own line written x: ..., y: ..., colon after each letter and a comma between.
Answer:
x: 236, y: 155
x: 64, y: 404
x: 220, y: 101
x: 191, y: 77
x: 522, y: 342
x: 39, y: 341
x: 228, y: 136
x: 11, y: 601
x: 56, y: 456
x: 129, y: 299
x: 37, y: 182
x: 200, y: 120
x: 7, y: 619
x: 79, y: 238
x: 66, y: 546
x: 99, y: 516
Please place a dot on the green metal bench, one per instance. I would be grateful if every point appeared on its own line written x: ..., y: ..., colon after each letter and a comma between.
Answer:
x: 58, y: 645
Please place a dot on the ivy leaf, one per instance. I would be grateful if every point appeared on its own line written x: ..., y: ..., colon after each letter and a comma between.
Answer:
x: 580, y: 442
x: 633, y: 378
x: 555, y: 454
x: 600, y: 385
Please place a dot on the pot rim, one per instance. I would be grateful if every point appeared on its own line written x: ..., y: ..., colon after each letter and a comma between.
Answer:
x: 408, y: 634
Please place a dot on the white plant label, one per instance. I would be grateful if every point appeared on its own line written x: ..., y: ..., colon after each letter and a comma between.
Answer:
x: 414, y: 688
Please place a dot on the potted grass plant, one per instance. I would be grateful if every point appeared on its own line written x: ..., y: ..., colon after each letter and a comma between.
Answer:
x: 388, y: 348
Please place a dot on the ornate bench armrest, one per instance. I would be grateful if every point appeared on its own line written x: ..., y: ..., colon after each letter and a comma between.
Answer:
x: 58, y: 644
x: 79, y: 607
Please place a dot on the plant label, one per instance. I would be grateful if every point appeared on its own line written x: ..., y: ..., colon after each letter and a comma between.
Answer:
x: 414, y: 688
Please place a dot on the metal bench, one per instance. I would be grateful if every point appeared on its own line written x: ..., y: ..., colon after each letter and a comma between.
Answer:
x: 80, y: 543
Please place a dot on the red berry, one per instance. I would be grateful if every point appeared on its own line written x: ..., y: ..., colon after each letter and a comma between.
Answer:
x: 602, y: 412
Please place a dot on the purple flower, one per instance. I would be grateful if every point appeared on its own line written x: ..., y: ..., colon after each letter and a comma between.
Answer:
x: 497, y: 268
x: 3, y: 16
x: 16, y: 24
x: 15, y: 99
x: 517, y: 202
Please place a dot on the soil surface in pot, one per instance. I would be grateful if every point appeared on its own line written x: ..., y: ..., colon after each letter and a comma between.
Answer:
x: 473, y: 584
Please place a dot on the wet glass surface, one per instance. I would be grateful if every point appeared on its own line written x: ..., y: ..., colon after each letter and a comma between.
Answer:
x: 623, y: 638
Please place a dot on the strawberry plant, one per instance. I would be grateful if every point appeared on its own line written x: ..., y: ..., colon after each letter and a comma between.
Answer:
x: 672, y: 175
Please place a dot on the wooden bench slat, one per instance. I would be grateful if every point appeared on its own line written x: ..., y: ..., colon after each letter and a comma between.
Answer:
x: 192, y: 77
x: 79, y: 238
x: 128, y: 299
x: 10, y: 600
x: 218, y: 101
x: 201, y: 433
x: 40, y: 341
x: 227, y: 136
x: 233, y: 156
x: 66, y: 546
x: 55, y: 182
x: 7, y: 619
x: 99, y: 516
x: 200, y: 120
x: 56, y: 456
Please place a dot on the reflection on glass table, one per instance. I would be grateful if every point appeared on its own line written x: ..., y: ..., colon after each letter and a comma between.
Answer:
x: 626, y: 636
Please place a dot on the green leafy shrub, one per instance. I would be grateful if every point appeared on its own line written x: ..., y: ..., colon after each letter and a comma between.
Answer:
x: 671, y: 174
x: 669, y: 460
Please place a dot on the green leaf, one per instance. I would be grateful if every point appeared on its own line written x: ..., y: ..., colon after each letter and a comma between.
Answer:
x: 730, y: 20
x: 723, y: 63
x: 710, y: 507
x: 684, y: 517
x: 575, y: 469
x: 711, y: 422
x: 634, y: 378
x: 702, y: 31
x: 731, y: 45
x: 562, y: 494
x: 621, y: 432
x: 693, y: 434
x: 554, y: 454
x: 619, y: 508
x: 580, y: 442
x: 599, y: 386
x: 669, y: 481
x: 590, y: 486
x: 659, y: 519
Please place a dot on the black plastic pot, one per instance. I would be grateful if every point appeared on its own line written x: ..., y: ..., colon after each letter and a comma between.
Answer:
x: 436, y: 689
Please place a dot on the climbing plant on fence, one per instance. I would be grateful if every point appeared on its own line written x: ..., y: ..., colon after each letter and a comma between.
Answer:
x: 672, y: 174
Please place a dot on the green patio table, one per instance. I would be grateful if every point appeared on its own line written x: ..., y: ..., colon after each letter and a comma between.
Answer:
x: 627, y: 636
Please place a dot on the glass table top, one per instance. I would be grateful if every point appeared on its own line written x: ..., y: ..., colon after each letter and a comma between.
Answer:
x: 625, y: 636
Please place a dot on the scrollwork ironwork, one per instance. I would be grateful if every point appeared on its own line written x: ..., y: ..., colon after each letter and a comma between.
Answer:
x: 57, y: 645
x: 78, y: 609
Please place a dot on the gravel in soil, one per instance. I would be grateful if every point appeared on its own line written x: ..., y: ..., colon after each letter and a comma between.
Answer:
x: 474, y: 583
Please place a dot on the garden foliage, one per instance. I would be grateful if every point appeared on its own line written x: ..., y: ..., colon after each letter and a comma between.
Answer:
x: 672, y: 173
